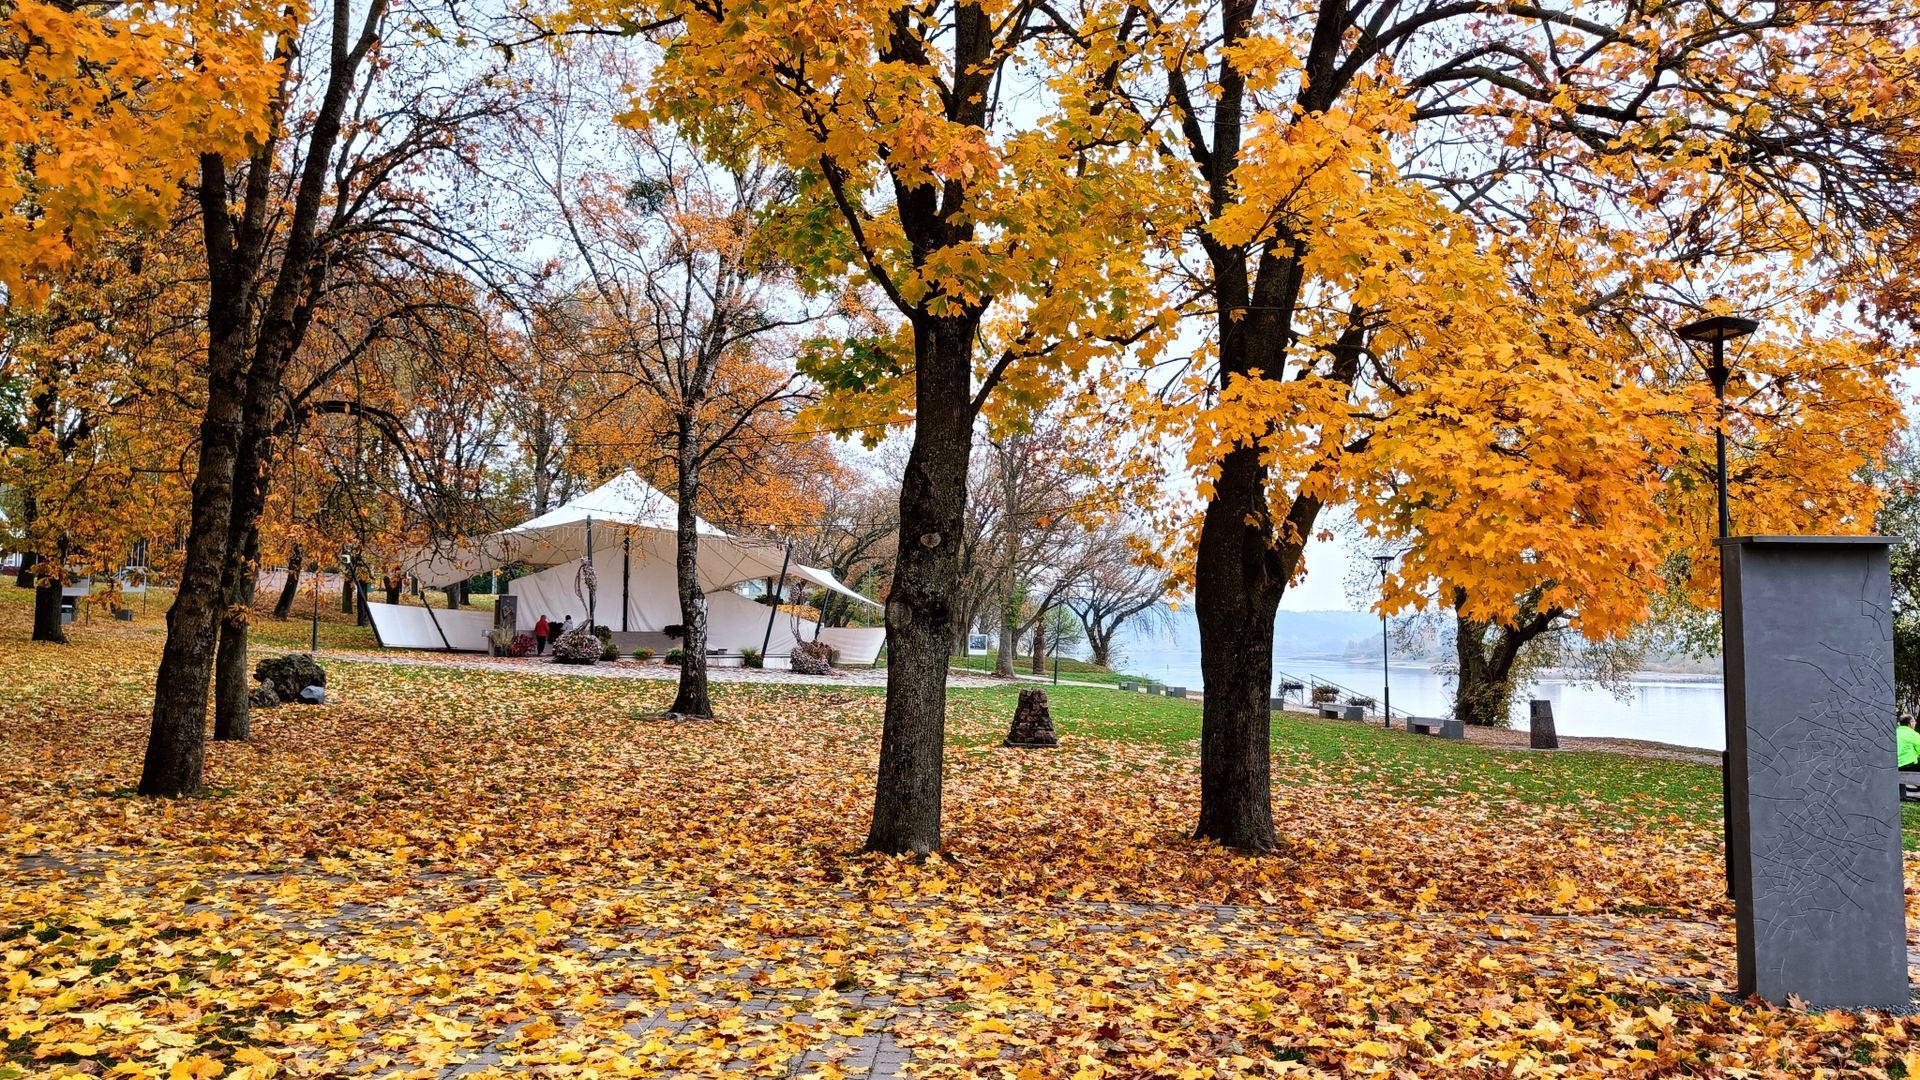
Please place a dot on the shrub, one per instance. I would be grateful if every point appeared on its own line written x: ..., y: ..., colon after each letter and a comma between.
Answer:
x: 1324, y: 695
x: 1362, y: 701
x: 811, y: 658
x: 643, y: 653
x: 674, y: 656
x: 604, y: 633
x: 576, y: 647
x: 608, y: 652
x: 522, y: 645
x: 674, y: 631
x: 751, y: 658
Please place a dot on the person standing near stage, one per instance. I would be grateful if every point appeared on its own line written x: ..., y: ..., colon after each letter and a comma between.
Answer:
x: 540, y: 631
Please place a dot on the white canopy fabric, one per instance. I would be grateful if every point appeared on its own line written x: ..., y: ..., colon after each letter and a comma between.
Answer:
x: 632, y: 528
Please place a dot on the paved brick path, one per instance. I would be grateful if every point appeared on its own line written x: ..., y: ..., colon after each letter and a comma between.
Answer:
x: 739, y: 1011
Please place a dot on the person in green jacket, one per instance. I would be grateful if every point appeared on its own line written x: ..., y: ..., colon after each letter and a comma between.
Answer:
x: 1906, y: 743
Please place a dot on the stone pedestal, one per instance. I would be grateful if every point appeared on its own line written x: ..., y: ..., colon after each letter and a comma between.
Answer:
x: 1813, y: 837
x: 1032, y: 722
x: 1540, y: 732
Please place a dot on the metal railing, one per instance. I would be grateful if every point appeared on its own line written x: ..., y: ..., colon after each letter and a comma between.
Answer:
x: 1306, y: 684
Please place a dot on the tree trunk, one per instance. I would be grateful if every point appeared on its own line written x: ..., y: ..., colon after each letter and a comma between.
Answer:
x: 1099, y: 644
x: 1009, y: 640
x: 253, y: 462
x: 1236, y: 598
x: 232, y: 682
x: 176, y: 746
x: 46, y: 606
x: 920, y: 615
x: 25, y: 577
x: 283, y: 607
x: 692, y: 699
x: 346, y: 589
x: 1483, y: 694
x: 1039, y: 663
x: 393, y: 590
x: 453, y: 597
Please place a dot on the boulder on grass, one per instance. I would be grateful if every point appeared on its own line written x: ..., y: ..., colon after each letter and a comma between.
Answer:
x: 263, y: 696
x: 290, y: 674
x: 313, y: 695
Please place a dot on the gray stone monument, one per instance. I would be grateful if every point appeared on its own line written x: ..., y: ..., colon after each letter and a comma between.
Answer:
x: 1813, y: 837
x: 1540, y: 732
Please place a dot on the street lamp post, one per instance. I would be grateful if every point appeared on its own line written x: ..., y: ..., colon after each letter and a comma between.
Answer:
x: 1717, y: 330
x: 1386, y: 682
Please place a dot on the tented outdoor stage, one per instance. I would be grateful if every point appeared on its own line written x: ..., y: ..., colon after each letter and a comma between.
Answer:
x: 624, y: 529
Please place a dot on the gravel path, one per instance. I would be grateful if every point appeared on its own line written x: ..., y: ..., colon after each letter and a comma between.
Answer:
x: 633, y: 669
x: 1506, y: 739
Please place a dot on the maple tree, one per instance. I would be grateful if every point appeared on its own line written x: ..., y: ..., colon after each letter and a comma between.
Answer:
x: 321, y: 191
x: 675, y: 303
x: 92, y: 467
x: 1002, y: 251
x: 1387, y: 191
x: 105, y: 109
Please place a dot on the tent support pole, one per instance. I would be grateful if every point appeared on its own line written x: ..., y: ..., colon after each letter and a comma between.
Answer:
x: 592, y: 584
x: 774, y: 610
x: 435, y: 619
x: 626, y: 575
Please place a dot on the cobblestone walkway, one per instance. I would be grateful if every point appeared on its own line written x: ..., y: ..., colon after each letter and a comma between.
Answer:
x: 747, y: 1007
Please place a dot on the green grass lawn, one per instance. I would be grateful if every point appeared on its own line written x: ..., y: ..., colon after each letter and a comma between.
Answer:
x: 1077, y: 670
x: 1615, y: 789
x: 1610, y: 788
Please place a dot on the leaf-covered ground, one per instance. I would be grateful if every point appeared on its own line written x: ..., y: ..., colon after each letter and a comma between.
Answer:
x: 447, y: 872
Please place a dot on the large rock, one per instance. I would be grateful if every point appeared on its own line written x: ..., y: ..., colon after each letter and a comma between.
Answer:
x: 290, y: 674
x: 263, y: 696
x: 1032, y: 721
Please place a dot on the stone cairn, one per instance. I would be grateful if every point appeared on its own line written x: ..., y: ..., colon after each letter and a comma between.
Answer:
x: 1032, y: 722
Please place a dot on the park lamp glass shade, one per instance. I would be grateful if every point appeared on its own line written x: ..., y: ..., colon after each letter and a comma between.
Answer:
x: 1718, y: 328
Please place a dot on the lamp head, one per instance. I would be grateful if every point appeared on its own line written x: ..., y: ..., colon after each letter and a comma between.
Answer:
x: 1718, y: 328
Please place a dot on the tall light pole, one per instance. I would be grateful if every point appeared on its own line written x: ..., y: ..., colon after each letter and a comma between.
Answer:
x: 1386, y: 682
x: 1717, y: 330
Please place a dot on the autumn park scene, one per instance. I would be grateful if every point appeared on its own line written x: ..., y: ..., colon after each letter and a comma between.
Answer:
x: 959, y: 538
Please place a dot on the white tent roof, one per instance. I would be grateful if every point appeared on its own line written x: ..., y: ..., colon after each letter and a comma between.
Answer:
x: 624, y: 507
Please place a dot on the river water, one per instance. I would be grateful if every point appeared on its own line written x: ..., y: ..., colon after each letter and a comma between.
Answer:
x: 1684, y: 710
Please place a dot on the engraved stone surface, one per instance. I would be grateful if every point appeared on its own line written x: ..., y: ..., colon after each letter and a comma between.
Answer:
x: 1814, y: 828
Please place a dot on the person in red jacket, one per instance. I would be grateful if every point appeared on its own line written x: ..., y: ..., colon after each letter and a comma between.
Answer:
x: 540, y: 631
